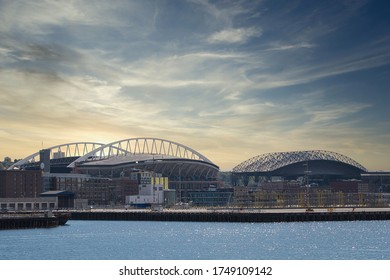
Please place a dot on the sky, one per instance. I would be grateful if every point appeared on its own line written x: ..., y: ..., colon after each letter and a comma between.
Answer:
x: 229, y: 79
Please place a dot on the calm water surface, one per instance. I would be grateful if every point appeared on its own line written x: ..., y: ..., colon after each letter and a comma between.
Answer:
x: 117, y: 240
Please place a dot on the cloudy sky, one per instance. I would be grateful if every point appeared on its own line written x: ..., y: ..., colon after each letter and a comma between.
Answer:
x: 230, y: 79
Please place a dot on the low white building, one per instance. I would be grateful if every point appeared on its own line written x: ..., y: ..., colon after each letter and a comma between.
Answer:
x: 148, y: 194
x: 38, y: 203
x: 151, y: 189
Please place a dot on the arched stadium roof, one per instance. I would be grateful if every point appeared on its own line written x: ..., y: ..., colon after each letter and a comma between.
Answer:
x: 63, y: 152
x: 272, y: 161
x: 140, y: 148
x: 153, y: 154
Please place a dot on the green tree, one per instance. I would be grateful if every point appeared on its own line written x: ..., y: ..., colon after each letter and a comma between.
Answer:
x: 7, y: 162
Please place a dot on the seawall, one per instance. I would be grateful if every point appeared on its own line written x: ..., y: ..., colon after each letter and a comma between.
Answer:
x: 221, y: 216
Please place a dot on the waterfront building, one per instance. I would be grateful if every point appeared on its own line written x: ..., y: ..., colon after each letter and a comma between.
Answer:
x: 150, y: 190
x: 97, y: 190
x: 28, y: 203
x: 20, y: 183
x: 46, y: 201
x: 212, y: 197
x: 379, y: 179
x: 351, y: 186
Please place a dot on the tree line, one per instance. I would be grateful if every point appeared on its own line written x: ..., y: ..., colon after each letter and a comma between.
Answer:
x: 7, y: 162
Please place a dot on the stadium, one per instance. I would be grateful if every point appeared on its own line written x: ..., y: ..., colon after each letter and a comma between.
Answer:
x: 100, y: 172
x: 316, y: 164
x: 158, y: 155
x: 315, y: 178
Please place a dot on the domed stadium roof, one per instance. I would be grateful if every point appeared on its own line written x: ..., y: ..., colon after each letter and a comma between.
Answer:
x: 272, y: 162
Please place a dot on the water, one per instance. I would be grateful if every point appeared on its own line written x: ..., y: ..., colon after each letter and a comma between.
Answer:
x: 116, y: 240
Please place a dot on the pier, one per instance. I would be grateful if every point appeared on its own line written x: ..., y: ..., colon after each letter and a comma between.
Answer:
x: 237, y: 216
x: 22, y: 220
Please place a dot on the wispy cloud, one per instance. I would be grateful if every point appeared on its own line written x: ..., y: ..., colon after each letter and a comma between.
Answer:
x: 286, y: 47
x: 234, y: 36
x: 231, y: 79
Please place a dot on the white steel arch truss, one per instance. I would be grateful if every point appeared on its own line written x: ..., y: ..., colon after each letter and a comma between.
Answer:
x: 142, y: 146
x: 69, y: 150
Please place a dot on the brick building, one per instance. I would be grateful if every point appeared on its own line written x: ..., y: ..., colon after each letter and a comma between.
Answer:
x: 98, y: 191
x: 353, y: 186
x: 18, y: 183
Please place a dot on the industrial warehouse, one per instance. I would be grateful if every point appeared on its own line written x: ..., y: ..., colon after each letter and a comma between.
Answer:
x: 158, y: 173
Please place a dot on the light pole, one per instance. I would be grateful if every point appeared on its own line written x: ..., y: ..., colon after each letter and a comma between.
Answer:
x: 180, y: 164
x: 307, y: 186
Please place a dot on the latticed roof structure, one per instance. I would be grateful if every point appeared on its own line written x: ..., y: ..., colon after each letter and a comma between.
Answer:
x: 274, y: 161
